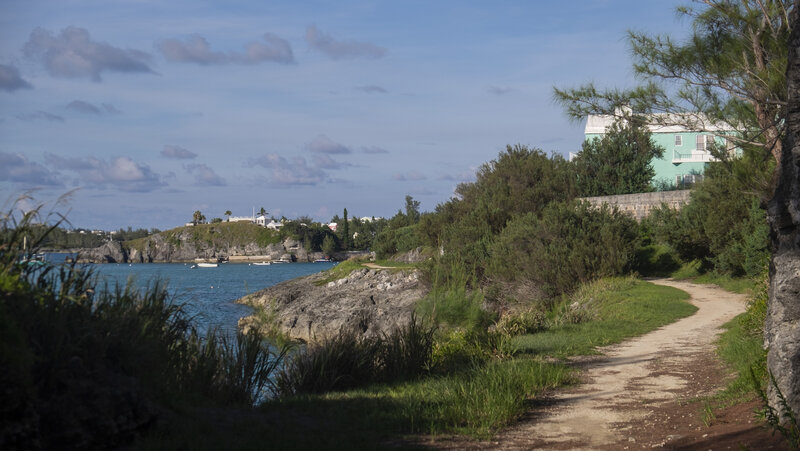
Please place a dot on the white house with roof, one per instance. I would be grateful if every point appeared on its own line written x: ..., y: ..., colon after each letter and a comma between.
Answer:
x: 686, y: 152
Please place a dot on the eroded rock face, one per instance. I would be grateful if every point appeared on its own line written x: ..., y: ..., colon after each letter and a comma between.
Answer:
x: 110, y: 252
x: 782, y: 328
x: 369, y: 301
x: 184, y: 248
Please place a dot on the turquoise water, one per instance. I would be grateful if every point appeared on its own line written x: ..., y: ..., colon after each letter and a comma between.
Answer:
x: 208, y: 293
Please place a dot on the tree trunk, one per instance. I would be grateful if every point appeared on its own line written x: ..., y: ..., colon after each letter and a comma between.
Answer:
x: 782, y: 328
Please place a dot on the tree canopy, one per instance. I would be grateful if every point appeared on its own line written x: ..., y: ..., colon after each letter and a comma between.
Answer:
x: 617, y: 163
x: 731, y: 71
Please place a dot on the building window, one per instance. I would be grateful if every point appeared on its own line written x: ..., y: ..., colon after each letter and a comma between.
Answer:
x: 704, y: 142
x: 678, y: 140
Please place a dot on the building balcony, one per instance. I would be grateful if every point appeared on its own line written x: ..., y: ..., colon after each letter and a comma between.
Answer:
x: 695, y: 156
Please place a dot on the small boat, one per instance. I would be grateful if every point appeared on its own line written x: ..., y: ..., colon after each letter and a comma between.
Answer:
x: 262, y: 263
x: 322, y: 260
x: 207, y: 265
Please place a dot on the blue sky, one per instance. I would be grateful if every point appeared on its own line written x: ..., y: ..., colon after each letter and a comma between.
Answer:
x: 151, y: 110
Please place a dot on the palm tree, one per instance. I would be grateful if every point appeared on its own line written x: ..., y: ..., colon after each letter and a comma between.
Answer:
x: 262, y: 212
x: 228, y: 214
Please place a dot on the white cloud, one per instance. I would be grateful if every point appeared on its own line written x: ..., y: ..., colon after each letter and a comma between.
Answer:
x: 121, y: 172
x: 10, y: 79
x: 323, y: 144
x: 325, y: 43
x: 196, y: 49
x: 73, y: 54
x: 289, y: 172
x: 204, y: 175
x: 412, y: 176
x: 17, y: 168
x: 177, y: 152
x: 372, y: 89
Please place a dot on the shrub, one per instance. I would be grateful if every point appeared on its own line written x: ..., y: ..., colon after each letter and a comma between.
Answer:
x: 451, y: 303
x: 528, y: 321
x: 571, y: 243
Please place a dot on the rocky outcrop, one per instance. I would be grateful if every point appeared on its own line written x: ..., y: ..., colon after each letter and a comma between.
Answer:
x: 184, y: 248
x: 369, y: 301
x: 110, y: 252
x: 782, y: 328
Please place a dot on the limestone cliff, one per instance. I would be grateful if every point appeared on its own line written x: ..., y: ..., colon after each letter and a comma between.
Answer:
x: 207, y: 241
x: 370, y: 301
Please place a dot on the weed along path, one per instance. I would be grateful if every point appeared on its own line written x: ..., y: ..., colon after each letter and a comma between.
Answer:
x: 635, y: 395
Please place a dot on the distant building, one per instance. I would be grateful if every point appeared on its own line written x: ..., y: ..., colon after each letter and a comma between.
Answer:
x: 333, y: 226
x: 241, y: 219
x: 686, y: 152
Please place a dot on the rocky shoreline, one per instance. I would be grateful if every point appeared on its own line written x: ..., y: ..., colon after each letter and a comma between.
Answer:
x: 159, y: 250
x: 368, y: 301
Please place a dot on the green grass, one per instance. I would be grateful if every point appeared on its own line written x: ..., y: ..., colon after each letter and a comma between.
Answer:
x: 343, y: 269
x: 340, y: 271
x: 635, y: 308
x: 477, y: 402
x: 741, y: 348
x: 692, y: 271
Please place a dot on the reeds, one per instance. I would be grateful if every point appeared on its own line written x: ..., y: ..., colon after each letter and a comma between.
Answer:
x: 349, y: 360
x: 62, y: 328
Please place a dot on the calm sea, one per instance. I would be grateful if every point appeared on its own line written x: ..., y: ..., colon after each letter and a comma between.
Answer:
x: 208, y: 293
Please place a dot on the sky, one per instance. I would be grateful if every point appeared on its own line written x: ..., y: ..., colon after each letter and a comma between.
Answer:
x: 143, y: 111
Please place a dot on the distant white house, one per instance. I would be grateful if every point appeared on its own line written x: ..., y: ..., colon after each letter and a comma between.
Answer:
x: 332, y: 226
x: 241, y: 219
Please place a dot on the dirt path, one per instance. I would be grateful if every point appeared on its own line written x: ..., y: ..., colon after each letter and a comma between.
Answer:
x: 635, y: 396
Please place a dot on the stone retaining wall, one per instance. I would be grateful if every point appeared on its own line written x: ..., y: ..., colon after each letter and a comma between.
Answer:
x: 639, y: 205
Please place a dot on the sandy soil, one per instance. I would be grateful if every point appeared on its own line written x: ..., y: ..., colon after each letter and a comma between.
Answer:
x: 642, y: 393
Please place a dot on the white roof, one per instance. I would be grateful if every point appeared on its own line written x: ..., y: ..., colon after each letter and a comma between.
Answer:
x: 597, y: 124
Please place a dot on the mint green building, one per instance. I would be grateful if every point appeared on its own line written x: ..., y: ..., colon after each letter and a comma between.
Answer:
x: 686, y: 153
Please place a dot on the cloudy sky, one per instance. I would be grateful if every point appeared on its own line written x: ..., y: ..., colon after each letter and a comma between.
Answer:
x: 152, y: 109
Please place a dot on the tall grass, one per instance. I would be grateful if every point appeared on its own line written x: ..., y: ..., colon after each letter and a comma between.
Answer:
x: 69, y: 344
x: 350, y: 360
x: 450, y: 303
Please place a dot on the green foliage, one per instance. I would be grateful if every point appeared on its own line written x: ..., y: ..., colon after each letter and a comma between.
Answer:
x: 617, y: 163
x: 528, y: 321
x: 328, y: 245
x: 392, y: 241
x: 723, y: 226
x: 310, y: 233
x: 451, y: 304
x: 732, y: 69
x: 198, y: 217
x: 657, y: 260
x: 569, y: 244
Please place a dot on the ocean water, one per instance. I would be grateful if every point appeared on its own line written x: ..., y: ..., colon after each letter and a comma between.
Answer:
x: 207, y: 293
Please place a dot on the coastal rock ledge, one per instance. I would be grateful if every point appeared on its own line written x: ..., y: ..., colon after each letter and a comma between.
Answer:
x: 369, y: 301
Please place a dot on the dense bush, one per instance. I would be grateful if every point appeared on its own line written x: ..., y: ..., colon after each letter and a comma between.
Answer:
x: 723, y: 225
x: 569, y: 244
x: 617, y: 163
x: 392, y: 241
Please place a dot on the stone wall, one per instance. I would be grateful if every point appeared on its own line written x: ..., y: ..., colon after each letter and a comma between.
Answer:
x: 639, y: 205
